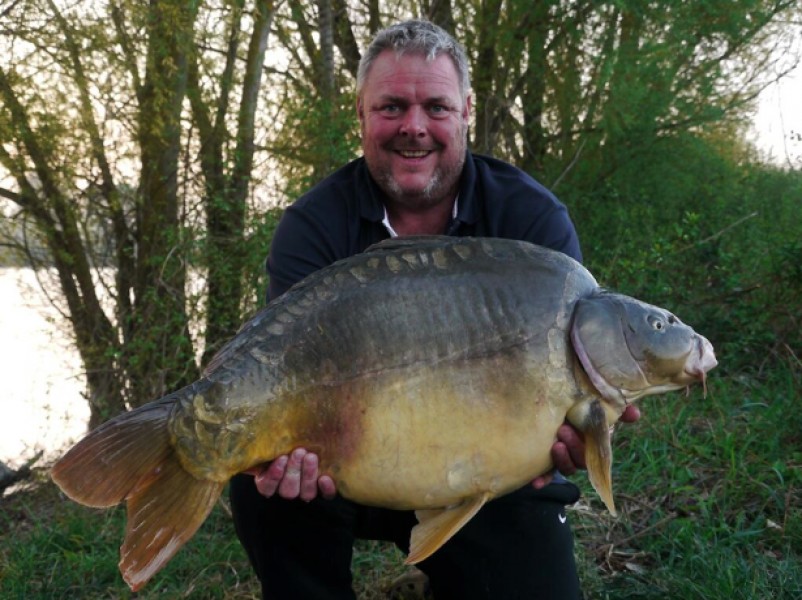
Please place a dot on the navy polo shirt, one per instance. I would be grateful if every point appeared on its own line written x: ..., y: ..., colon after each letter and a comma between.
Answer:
x: 342, y: 215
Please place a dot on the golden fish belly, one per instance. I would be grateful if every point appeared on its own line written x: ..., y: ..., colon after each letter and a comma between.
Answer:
x: 430, y: 437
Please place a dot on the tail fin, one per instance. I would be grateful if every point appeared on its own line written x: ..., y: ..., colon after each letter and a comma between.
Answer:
x: 161, y: 518
x: 130, y: 458
x: 105, y: 467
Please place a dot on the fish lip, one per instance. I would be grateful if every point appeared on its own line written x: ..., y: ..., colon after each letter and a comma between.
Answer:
x: 700, y: 362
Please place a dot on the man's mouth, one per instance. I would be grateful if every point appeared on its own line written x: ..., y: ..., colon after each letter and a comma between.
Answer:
x: 413, y: 153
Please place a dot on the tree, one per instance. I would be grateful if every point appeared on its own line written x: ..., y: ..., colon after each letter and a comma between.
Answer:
x: 38, y: 152
x: 74, y: 86
x: 318, y: 129
x: 555, y: 82
x: 157, y: 345
x: 227, y: 175
x: 137, y: 137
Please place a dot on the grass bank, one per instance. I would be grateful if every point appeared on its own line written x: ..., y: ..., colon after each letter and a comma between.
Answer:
x: 710, y: 496
x: 709, y: 492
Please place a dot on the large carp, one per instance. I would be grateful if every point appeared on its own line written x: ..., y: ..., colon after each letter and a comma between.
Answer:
x: 427, y: 373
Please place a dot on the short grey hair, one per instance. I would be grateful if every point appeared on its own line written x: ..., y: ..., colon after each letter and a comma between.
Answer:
x: 419, y: 37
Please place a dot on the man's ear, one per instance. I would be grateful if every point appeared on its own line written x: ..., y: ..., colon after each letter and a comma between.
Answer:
x: 360, y: 111
x: 466, y: 111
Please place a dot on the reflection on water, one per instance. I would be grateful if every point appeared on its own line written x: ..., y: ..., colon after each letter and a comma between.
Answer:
x: 41, y: 403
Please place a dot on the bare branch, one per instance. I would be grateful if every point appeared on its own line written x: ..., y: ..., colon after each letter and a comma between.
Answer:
x: 8, y: 194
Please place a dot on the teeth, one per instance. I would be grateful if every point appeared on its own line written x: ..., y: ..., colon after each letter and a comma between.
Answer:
x: 414, y: 153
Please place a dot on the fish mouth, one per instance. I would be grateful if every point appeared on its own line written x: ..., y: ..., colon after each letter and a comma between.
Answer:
x: 700, y: 362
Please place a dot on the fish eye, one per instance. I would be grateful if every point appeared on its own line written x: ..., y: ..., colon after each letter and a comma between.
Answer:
x: 657, y: 323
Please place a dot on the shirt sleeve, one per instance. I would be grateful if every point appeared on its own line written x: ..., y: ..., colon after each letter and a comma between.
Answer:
x: 301, y: 245
x: 555, y: 230
x: 516, y: 206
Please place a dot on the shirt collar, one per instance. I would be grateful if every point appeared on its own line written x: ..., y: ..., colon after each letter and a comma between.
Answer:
x: 392, y: 232
x: 369, y: 196
x: 468, y: 193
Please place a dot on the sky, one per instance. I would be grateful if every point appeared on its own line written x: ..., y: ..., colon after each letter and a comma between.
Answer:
x: 779, y: 115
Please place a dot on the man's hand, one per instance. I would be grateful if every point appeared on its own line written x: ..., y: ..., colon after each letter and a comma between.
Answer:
x: 294, y: 476
x: 568, y: 452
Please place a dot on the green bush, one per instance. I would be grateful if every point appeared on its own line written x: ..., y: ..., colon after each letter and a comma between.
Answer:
x: 716, y: 242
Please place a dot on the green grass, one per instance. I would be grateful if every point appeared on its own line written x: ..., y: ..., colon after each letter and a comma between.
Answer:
x: 710, y: 496
x: 53, y: 548
x: 709, y: 492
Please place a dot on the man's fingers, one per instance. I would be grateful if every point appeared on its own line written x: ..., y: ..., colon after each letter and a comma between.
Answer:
x: 568, y: 452
x: 308, y: 483
x: 562, y: 459
x: 326, y: 486
x: 542, y: 481
x: 290, y: 486
x: 294, y: 476
x: 631, y: 414
x: 268, y: 479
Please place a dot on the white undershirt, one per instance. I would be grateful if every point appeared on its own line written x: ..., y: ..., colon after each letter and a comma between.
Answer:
x: 392, y: 232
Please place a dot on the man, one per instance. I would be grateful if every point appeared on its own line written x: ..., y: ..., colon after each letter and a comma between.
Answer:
x: 416, y: 177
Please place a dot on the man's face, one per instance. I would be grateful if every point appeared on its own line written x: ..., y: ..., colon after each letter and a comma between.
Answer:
x: 414, y: 123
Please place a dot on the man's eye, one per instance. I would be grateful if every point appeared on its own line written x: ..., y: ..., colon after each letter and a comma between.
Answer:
x: 391, y: 108
x: 438, y: 109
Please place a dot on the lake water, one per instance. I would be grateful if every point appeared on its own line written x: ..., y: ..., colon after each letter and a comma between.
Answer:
x: 41, y: 403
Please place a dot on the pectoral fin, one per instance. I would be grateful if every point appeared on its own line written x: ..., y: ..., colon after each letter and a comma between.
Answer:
x: 599, y: 453
x: 436, y: 527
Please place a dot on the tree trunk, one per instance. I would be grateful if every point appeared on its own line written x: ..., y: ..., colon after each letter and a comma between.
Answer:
x: 226, y: 195
x: 484, y: 73
x: 160, y: 327
x: 534, y: 99
x: 441, y: 13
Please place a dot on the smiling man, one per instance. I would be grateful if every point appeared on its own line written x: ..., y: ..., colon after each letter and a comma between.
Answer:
x: 414, y: 119
x: 417, y: 176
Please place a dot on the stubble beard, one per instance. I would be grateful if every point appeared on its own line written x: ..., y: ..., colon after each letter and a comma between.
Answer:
x: 441, y: 186
x: 428, y: 196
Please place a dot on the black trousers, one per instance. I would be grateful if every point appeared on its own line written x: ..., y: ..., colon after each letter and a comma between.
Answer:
x: 517, y: 546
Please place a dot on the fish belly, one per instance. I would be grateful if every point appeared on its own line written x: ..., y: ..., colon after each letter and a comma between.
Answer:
x: 431, y: 437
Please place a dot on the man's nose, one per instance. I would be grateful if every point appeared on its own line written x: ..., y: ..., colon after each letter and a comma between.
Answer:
x: 413, y: 123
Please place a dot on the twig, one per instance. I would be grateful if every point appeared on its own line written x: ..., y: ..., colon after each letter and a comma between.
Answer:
x: 670, y: 517
x: 792, y: 354
x: 9, y: 477
x: 719, y: 233
x: 570, y: 165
